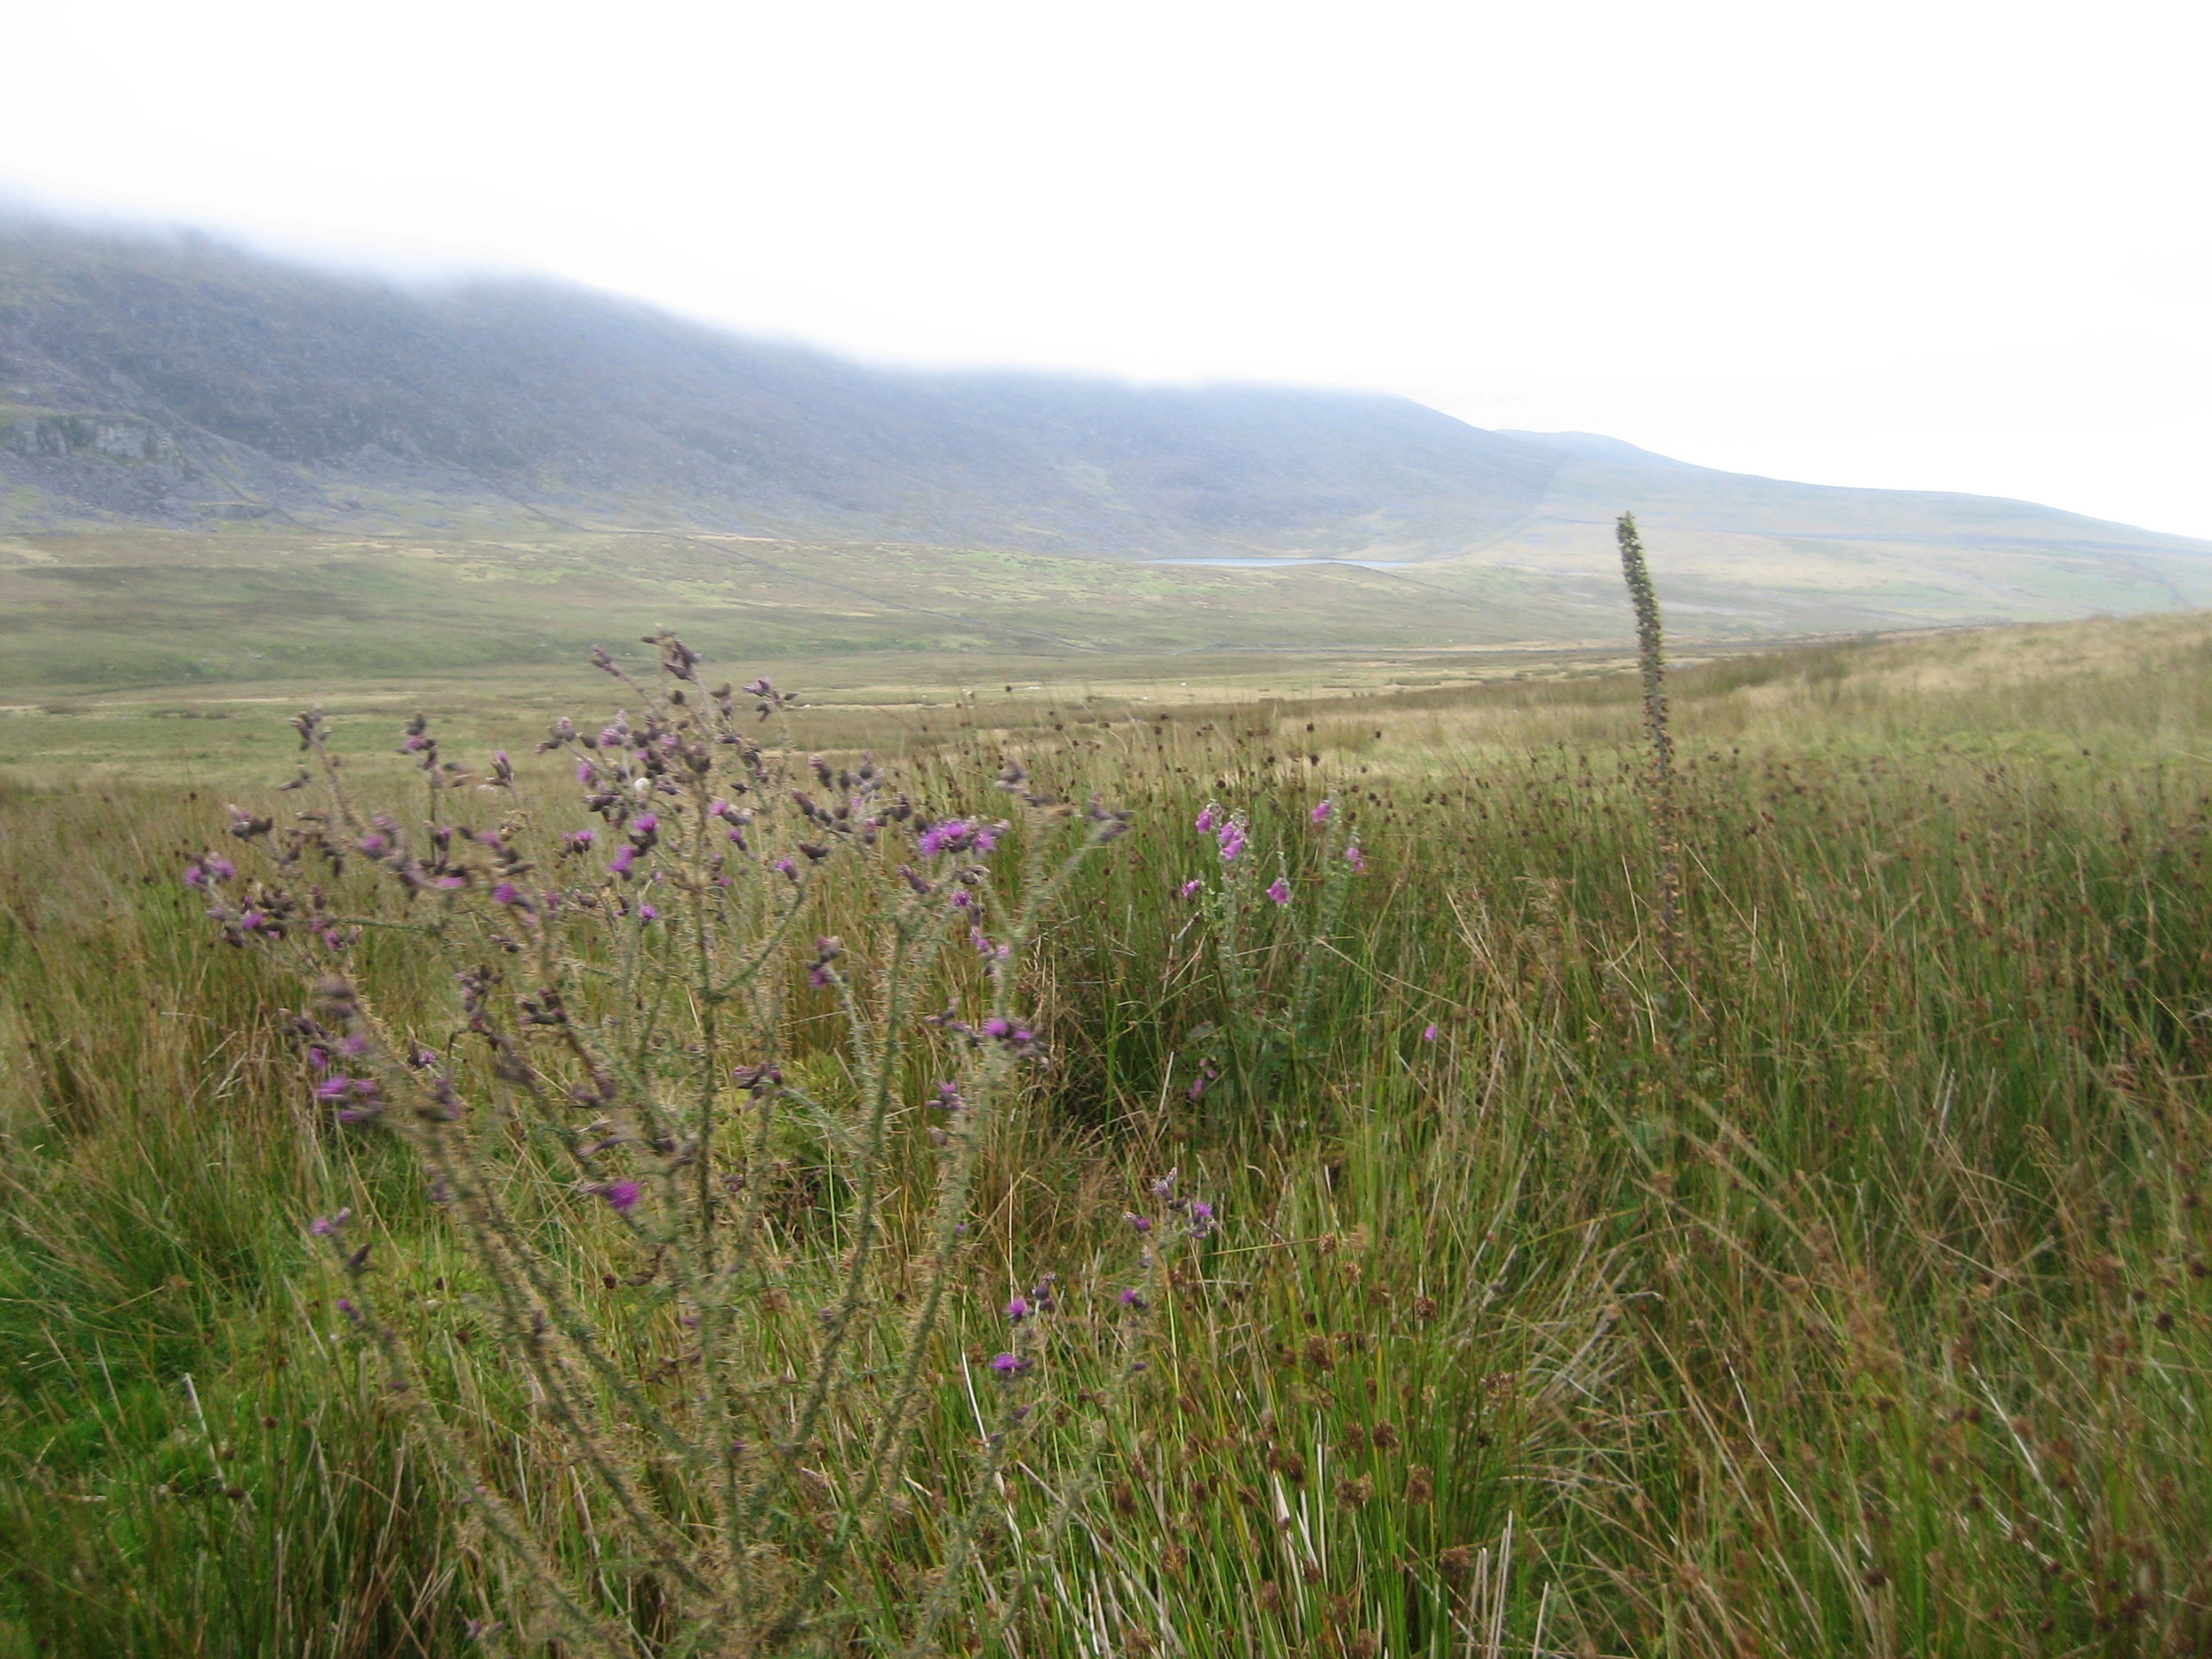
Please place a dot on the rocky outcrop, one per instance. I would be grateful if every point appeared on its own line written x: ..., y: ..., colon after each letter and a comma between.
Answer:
x: 110, y: 437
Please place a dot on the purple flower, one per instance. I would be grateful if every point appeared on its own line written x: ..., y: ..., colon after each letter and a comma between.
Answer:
x: 645, y: 824
x: 585, y: 773
x: 1232, y: 839
x: 621, y: 1196
x: 788, y: 867
x: 1205, y: 820
x: 1429, y: 1034
x: 1189, y: 887
x: 647, y: 913
x: 355, y: 1045
x: 334, y: 1087
x: 1202, y: 1218
x: 1137, y: 1222
x: 623, y: 857
x: 1131, y: 1300
x: 1279, y: 890
x: 1008, y: 1366
x: 506, y: 893
x: 1018, y: 1308
x: 324, y: 1226
x: 1321, y: 812
x: 577, y: 839
x: 1354, y: 857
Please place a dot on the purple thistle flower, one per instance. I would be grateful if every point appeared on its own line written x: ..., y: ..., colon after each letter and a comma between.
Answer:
x: 647, y: 913
x: 1191, y: 887
x: 985, y: 839
x: 998, y: 1027
x: 334, y: 1087
x: 1137, y: 1222
x: 1008, y: 1366
x: 355, y: 1045
x: 1279, y: 890
x: 621, y: 1196
x: 1202, y: 1218
x: 507, y: 893
x: 645, y: 824
x: 786, y: 867
x: 623, y: 857
x: 1131, y: 1301
x: 324, y: 1226
x: 1321, y: 812
x: 1018, y: 1308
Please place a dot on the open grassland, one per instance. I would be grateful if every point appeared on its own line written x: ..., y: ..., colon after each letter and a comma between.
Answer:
x: 1838, y: 1286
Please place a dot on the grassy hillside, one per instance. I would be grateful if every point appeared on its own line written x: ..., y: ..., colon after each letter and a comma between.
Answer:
x: 1832, y: 1280
x: 173, y: 383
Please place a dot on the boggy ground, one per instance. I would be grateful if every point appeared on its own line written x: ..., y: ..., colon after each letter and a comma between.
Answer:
x: 1839, y: 1287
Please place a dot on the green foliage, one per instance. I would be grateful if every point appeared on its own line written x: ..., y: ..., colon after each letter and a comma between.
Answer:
x: 1869, y: 1313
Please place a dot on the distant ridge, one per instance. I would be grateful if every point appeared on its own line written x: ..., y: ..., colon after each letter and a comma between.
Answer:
x: 171, y: 381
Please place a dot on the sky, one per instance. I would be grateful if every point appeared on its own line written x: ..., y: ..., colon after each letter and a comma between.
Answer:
x: 1943, y: 244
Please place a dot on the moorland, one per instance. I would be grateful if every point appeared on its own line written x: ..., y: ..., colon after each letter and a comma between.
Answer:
x: 1821, y: 1269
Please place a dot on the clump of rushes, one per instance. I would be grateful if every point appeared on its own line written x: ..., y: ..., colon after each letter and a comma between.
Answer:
x: 618, y: 1054
x: 1652, y: 665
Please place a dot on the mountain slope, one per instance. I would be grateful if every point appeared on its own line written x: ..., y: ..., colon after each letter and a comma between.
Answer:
x: 173, y: 383
x: 230, y: 385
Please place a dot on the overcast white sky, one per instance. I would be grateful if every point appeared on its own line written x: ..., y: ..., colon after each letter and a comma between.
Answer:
x: 1952, y: 245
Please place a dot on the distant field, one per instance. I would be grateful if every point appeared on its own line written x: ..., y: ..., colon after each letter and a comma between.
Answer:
x: 1829, y: 1279
x: 100, y: 612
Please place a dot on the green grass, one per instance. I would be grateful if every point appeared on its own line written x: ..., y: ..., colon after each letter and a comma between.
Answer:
x: 1853, y: 1301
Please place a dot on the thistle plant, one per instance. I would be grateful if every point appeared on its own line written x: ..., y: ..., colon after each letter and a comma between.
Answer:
x: 638, y: 1003
x: 1266, y: 1017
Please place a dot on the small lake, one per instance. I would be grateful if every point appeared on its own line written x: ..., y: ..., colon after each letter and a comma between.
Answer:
x: 1269, y: 564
